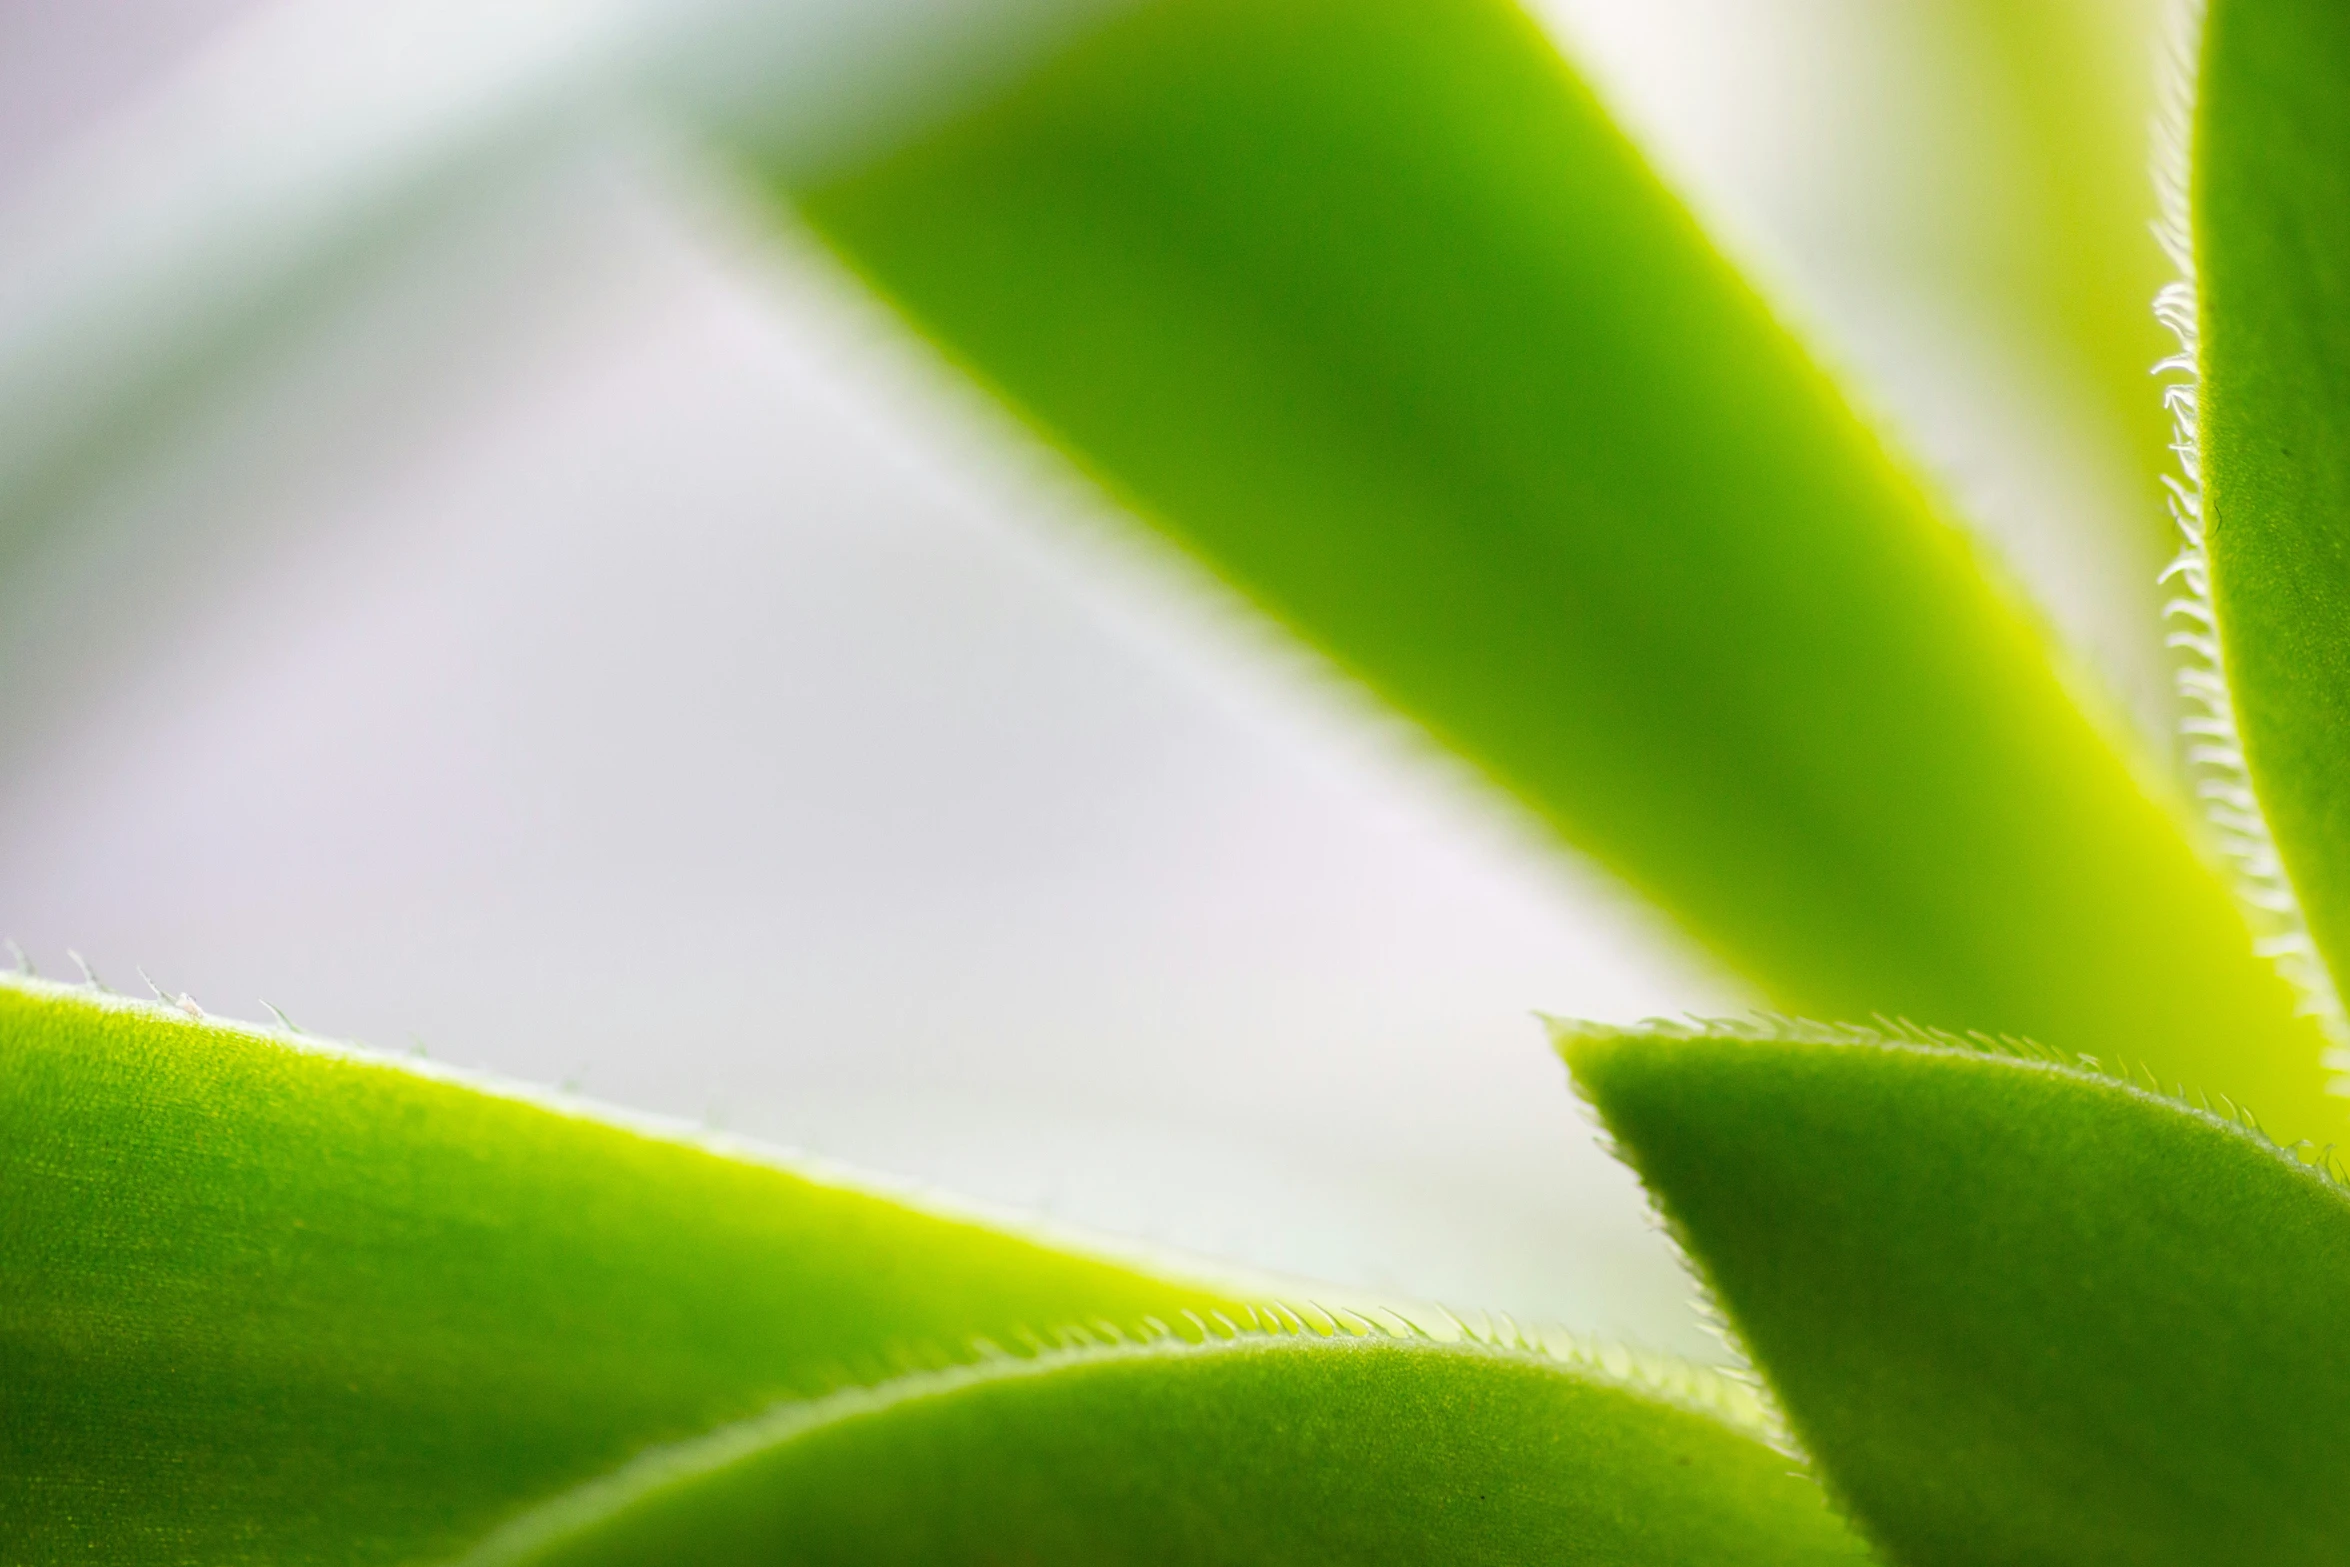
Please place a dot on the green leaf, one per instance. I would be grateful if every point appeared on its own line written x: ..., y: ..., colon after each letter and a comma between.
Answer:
x: 1368, y: 305
x: 1258, y: 1451
x: 2018, y: 1312
x: 273, y: 1301
x: 2272, y: 257
x: 2063, y: 258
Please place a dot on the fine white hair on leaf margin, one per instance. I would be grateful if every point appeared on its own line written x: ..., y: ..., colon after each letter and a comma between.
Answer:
x: 572, y: 1514
x: 2214, y: 744
x: 1769, y: 1028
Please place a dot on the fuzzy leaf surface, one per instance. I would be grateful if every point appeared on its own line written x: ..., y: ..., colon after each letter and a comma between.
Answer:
x: 1254, y: 1453
x: 2018, y: 1312
x: 276, y: 1303
x: 1368, y: 305
x: 2272, y: 252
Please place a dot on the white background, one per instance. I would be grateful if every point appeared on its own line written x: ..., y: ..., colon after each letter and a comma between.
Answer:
x: 602, y: 649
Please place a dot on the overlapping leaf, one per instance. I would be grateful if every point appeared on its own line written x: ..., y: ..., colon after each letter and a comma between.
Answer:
x: 1256, y: 1452
x: 2272, y: 253
x: 271, y: 1302
x: 2018, y: 1312
x: 1370, y: 307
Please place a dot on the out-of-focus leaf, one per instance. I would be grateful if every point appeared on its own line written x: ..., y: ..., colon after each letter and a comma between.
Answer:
x: 1258, y: 1451
x: 2067, y: 260
x: 1370, y: 307
x: 2272, y: 255
x: 2018, y: 1312
x: 273, y: 1302
x: 202, y: 242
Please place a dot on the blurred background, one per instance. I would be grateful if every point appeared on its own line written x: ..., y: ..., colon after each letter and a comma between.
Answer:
x: 471, y: 579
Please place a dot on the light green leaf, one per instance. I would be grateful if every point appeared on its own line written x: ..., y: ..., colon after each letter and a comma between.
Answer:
x: 1368, y: 305
x: 2018, y: 1312
x: 2065, y: 259
x: 271, y: 1301
x: 1258, y: 1450
x: 2272, y: 255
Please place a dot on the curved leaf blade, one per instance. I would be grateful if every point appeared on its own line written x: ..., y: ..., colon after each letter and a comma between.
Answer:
x: 2018, y: 1312
x: 1262, y: 1450
x: 269, y: 1301
x: 2272, y: 257
x: 1371, y: 308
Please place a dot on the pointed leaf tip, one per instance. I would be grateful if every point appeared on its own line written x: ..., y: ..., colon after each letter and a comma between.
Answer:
x: 2018, y: 1312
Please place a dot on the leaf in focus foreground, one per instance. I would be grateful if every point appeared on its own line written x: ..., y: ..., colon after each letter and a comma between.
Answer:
x: 2272, y: 257
x: 1255, y: 1452
x: 1368, y: 304
x: 268, y: 1302
x: 2017, y: 1312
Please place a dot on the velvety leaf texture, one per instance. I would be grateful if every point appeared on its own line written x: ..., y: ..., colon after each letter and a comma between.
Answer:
x: 2018, y: 1312
x: 1252, y: 1453
x: 1369, y: 306
x: 2272, y: 252
x: 274, y: 1303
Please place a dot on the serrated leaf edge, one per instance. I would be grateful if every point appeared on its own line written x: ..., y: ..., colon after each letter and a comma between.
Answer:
x: 2213, y: 742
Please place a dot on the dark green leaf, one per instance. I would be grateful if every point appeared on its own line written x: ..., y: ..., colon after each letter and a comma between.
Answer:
x: 1256, y: 1452
x: 2272, y: 253
x: 2018, y: 1312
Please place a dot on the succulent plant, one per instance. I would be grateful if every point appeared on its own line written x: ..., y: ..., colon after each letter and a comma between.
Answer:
x: 2026, y: 1245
